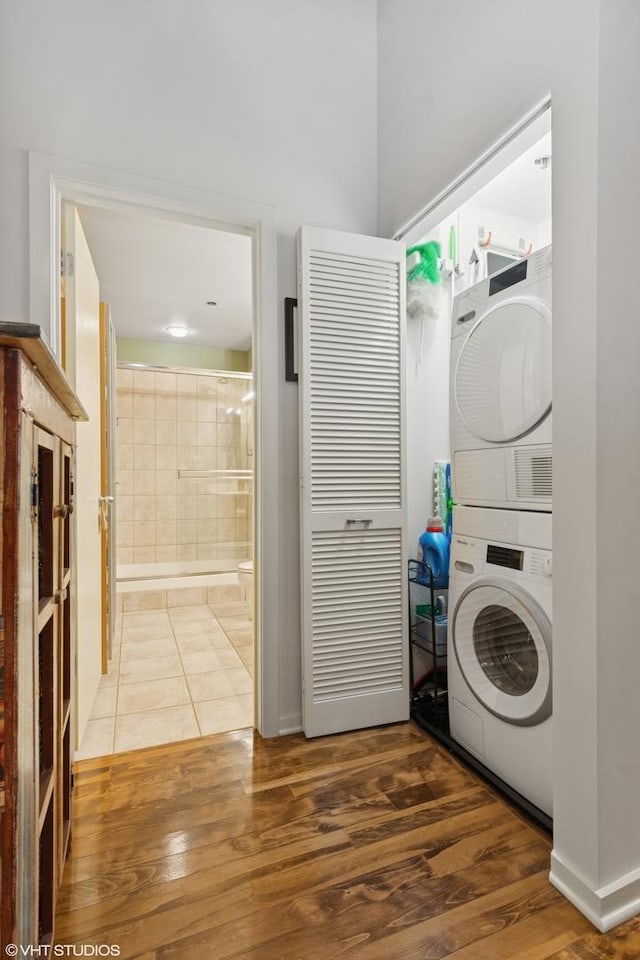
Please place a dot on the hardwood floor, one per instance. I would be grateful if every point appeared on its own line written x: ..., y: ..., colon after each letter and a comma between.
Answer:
x: 375, y: 845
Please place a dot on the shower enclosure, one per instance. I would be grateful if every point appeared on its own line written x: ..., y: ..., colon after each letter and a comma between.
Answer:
x: 184, y: 471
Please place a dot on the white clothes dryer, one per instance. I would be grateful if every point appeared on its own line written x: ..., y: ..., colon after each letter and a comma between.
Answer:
x: 499, y: 645
x: 501, y: 388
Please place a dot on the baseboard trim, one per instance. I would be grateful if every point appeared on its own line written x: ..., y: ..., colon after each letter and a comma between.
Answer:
x: 290, y: 724
x: 606, y: 906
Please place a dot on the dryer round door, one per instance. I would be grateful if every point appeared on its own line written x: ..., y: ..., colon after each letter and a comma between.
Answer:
x: 502, y: 380
x: 502, y: 642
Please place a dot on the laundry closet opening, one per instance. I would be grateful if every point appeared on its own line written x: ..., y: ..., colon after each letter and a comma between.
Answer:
x: 478, y: 379
x: 497, y: 215
x: 177, y: 446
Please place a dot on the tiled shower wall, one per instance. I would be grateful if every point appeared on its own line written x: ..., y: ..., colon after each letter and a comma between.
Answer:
x: 169, y: 423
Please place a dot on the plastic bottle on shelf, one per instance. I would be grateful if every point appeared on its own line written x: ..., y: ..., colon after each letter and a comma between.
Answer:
x: 433, y: 549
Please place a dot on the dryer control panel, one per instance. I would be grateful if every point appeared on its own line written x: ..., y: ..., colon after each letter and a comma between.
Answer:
x: 537, y: 563
x: 505, y: 556
x: 515, y: 280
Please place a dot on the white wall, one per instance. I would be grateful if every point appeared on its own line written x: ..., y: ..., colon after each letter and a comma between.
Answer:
x: 505, y: 231
x: 427, y: 379
x: 451, y: 80
x: 487, y: 65
x: 617, y: 435
x: 269, y: 102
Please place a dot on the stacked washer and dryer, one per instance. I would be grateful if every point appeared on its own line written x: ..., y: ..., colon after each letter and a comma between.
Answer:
x: 499, y: 644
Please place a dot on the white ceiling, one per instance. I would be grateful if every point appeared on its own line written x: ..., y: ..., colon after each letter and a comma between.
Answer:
x: 522, y: 190
x: 154, y: 272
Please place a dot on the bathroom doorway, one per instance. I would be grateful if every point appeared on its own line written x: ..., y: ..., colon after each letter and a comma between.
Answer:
x: 182, y: 655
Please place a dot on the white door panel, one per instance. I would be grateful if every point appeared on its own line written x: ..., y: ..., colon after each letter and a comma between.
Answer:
x: 83, y: 332
x: 351, y: 310
x: 111, y: 461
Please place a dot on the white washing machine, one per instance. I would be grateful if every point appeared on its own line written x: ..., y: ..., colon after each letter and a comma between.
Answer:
x: 501, y: 388
x: 499, y: 645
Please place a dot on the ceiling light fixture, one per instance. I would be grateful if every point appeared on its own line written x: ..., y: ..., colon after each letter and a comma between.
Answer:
x: 177, y: 330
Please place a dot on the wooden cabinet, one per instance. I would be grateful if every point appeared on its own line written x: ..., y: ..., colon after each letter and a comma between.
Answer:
x: 37, y: 639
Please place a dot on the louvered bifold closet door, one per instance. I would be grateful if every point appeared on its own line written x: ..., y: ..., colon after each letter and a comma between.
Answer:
x: 351, y: 339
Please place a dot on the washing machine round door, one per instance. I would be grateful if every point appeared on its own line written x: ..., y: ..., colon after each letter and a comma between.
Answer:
x: 502, y: 380
x: 502, y: 642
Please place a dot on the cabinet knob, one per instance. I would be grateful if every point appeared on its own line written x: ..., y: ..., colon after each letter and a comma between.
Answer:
x: 61, y: 511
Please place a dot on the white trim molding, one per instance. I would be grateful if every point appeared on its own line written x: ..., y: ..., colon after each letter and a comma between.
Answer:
x: 55, y: 179
x: 605, y: 906
x: 289, y: 724
x: 530, y: 128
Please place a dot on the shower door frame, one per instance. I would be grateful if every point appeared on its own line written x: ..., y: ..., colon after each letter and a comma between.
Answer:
x: 200, y: 372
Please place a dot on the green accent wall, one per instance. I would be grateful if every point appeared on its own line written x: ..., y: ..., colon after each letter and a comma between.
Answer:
x: 182, y: 355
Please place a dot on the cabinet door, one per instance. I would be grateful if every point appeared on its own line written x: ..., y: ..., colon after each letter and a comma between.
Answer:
x: 35, y: 570
x: 45, y: 498
x: 66, y: 646
x: 351, y: 308
x: 23, y: 776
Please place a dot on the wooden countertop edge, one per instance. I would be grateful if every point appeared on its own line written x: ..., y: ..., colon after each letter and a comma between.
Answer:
x: 27, y: 337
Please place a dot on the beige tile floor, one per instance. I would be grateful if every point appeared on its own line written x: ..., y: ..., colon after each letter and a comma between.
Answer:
x: 178, y: 671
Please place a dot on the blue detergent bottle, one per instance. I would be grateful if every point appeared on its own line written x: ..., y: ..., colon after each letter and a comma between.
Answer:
x: 433, y: 549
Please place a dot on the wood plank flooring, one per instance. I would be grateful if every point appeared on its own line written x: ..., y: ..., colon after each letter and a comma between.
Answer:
x: 375, y: 845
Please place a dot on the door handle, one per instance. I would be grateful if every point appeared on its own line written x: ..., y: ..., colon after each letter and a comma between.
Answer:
x: 359, y: 521
x: 103, y: 512
x: 290, y: 375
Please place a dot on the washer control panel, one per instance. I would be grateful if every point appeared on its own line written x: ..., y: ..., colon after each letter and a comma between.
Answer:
x: 471, y: 556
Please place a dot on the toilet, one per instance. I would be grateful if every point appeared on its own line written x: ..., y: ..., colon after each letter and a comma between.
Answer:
x: 245, y: 578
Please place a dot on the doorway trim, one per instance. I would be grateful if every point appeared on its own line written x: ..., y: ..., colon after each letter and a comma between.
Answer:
x: 522, y: 135
x: 53, y: 180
